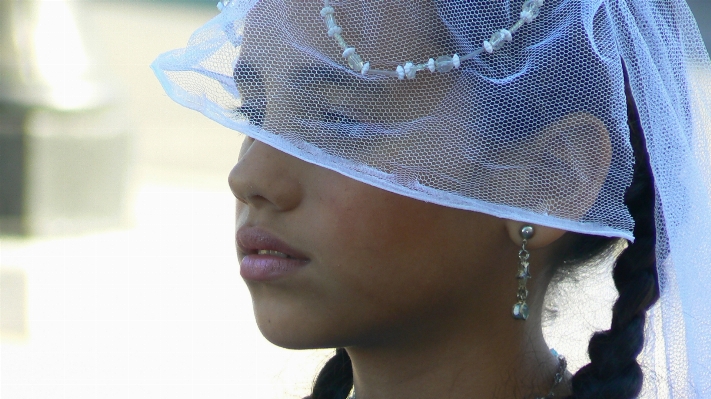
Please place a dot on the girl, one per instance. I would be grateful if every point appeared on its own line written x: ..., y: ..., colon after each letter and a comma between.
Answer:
x: 417, y: 171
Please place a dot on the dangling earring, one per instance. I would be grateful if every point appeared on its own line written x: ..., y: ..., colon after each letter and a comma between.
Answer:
x: 520, y: 309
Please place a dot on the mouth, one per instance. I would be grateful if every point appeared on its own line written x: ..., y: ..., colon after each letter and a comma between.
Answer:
x: 273, y: 253
x: 264, y: 257
x: 256, y: 241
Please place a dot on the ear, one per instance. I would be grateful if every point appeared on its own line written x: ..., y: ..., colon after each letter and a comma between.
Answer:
x: 559, y: 171
x: 574, y: 155
x: 542, y: 236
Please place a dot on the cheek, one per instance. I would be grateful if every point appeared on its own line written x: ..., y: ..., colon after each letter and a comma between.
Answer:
x: 368, y: 225
x: 381, y: 265
x: 388, y: 248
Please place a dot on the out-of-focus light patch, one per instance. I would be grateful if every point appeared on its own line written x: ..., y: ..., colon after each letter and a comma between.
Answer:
x: 13, y: 304
x: 62, y: 61
x: 578, y: 302
x: 155, y: 311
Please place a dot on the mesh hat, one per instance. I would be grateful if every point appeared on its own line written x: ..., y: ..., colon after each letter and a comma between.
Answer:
x: 512, y: 108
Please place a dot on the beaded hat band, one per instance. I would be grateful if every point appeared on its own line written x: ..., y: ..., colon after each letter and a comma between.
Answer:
x: 445, y: 63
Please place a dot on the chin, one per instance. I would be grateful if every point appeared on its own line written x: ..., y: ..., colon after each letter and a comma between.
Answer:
x: 291, y: 326
x: 288, y: 340
x: 294, y: 334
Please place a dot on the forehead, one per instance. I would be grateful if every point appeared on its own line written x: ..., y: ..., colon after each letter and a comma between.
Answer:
x: 389, y: 32
x: 503, y: 129
x: 287, y: 46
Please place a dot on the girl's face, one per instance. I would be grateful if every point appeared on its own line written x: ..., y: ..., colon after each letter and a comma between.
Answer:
x: 372, y: 265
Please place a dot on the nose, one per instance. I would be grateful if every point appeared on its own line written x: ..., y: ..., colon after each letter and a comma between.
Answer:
x: 265, y: 177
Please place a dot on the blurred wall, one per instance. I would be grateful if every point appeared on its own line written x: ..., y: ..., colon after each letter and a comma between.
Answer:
x: 702, y: 12
x: 700, y: 8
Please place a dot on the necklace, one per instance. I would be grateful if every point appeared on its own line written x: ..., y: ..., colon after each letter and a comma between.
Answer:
x: 559, y: 375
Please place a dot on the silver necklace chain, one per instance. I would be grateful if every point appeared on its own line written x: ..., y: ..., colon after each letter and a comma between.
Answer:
x: 559, y: 375
x: 557, y: 379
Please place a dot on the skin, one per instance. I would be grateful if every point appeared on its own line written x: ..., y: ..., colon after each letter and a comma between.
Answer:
x: 419, y: 294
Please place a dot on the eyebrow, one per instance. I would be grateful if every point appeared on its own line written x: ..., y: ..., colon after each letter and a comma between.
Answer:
x: 301, y: 76
x: 307, y: 75
x: 313, y: 79
x: 319, y: 78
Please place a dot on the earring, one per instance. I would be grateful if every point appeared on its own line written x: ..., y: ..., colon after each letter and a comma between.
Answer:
x: 520, y: 309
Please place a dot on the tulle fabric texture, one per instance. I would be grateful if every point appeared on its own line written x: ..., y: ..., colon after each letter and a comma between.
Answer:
x: 534, y: 131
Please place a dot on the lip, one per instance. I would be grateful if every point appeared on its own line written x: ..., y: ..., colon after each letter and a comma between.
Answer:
x: 257, y: 267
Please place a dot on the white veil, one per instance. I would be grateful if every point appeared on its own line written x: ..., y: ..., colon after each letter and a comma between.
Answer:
x: 508, y: 132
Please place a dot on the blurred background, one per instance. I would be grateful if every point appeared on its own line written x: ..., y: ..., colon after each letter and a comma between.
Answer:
x: 118, y: 276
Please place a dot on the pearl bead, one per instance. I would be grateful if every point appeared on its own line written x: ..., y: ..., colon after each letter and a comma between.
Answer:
x: 410, y: 70
x: 531, y: 9
x: 431, y: 65
x: 444, y: 63
x: 455, y: 60
x: 335, y: 30
x: 348, y: 52
x: 507, y: 35
x: 526, y: 17
x: 326, y: 11
x: 498, y: 40
x: 488, y: 47
x: 355, y: 62
x: 400, y: 72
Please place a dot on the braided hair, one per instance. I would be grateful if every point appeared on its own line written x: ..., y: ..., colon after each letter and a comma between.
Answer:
x: 613, y: 371
x: 335, y: 379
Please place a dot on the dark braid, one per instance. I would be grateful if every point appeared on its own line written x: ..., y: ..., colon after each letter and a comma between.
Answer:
x: 613, y: 371
x: 335, y: 379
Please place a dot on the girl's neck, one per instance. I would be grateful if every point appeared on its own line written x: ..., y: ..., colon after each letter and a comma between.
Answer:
x: 501, y: 359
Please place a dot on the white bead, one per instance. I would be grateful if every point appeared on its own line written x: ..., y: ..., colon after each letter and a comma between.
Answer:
x: 410, y: 70
x: 455, y: 60
x: 444, y: 63
x: 334, y: 30
x: 431, y: 65
x: 326, y: 11
x: 348, y: 52
x: 531, y: 9
x: 488, y: 47
x: 507, y: 35
x: 355, y: 62
x: 526, y: 16
x: 497, y: 40
x: 365, y: 69
x: 400, y: 72
x: 330, y: 22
